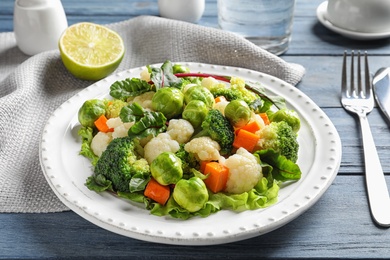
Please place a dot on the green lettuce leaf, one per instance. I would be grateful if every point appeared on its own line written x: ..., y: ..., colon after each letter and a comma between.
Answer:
x: 86, y: 134
x: 133, y: 196
x: 259, y: 197
x: 282, y: 168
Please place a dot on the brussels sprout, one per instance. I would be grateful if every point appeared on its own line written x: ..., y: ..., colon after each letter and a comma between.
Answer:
x: 177, y: 68
x: 191, y: 194
x: 199, y: 93
x: 238, y: 113
x: 289, y: 116
x: 195, y: 112
x: 166, y: 168
x: 169, y: 101
x: 114, y: 107
x: 90, y: 111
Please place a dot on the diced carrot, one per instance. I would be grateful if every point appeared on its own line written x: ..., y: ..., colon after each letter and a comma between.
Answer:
x: 265, y: 118
x: 217, y: 176
x: 246, y: 140
x: 157, y: 192
x: 203, y: 165
x: 101, y: 124
x: 252, y: 127
x: 219, y: 99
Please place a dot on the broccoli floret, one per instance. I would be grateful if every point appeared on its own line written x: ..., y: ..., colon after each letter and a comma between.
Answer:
x: 188, y: 160
x: 218, y: 128
x: 117, y: 166
x: 280, y: 137
x: 229, y: 93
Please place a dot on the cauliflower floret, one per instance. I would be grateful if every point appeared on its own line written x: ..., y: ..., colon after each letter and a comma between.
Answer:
x: 244, y: 172
x: 210, y: 83
x: 100, y: 142
x: 204, y: 147
x: 114, y: 122
x: 180, y: 130
x: 145, y: 99
x: 221, y: 106
x: 161, y: 143
x: 120, y: 129
x: 258, y: 119
x: 145, y: 75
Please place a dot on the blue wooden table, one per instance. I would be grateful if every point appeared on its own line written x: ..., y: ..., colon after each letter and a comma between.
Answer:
x: 339, y: 225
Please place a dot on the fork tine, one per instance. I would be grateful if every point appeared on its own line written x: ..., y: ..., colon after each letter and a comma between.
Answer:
x: 368, y: 86
x: 344, y: 88
x: 359, y: 89
x: 352, y: 89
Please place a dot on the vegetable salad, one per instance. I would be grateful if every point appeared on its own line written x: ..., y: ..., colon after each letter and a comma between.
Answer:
x: 190, y: 144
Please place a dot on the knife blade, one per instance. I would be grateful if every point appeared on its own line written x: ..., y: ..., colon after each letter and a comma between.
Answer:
x: 381, y: 87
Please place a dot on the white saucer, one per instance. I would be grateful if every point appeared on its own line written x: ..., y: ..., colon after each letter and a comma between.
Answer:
x: 321, y: 15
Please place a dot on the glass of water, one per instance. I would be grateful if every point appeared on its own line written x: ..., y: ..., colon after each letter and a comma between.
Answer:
x: 266, y: 23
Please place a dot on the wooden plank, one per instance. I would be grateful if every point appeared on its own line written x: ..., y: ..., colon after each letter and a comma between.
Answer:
x: 348, y: 128
x: 323, y: 75
x: 337, y: 226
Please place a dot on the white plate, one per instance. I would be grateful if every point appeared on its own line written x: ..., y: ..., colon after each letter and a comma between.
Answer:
x: 66, y: 172
x: 322, y: 17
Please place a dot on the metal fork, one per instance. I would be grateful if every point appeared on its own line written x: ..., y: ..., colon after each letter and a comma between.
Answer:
x: 359, y: 100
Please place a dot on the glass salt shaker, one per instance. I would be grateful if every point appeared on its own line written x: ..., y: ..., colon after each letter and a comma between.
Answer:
x: 38, y: 25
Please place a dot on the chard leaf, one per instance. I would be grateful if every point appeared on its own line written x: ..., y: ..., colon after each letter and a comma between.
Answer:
x: 98, y: 183
x: 131, y: 113
x: 257, y: 105
x: 283, y: 169
x: 267, y: 172
x: 277, y: 101
x: 123, y: 89
x: 146, y: 122
x: 152, y: 123
x: 138, y: 182
x: 164, y: 77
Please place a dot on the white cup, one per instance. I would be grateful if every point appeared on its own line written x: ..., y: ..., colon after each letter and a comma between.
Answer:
x: 366, y: 16
x: 38, y: 25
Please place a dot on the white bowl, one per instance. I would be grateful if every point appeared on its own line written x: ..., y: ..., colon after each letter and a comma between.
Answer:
x: 369, y: 16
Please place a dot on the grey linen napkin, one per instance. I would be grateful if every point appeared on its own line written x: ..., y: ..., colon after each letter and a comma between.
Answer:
x: 31, y: 88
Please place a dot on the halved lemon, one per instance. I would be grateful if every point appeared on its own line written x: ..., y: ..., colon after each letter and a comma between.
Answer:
x: 91, y: 51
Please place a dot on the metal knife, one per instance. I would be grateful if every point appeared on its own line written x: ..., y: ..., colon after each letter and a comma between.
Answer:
x: 381, y: 87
